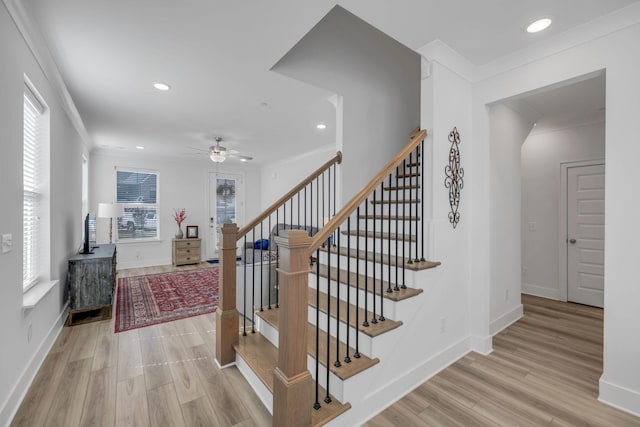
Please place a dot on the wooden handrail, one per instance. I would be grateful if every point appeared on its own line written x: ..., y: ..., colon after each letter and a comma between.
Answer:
x: 340, y: 217
x: 271, y: 209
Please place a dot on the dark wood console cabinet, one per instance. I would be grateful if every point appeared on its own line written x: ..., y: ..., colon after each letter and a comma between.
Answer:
x: 92, y: 284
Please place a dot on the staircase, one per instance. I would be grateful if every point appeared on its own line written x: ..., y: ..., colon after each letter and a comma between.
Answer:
x: 344, y: 292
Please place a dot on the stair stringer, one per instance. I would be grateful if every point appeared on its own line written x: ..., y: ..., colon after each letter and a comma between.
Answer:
x: 410, y: 355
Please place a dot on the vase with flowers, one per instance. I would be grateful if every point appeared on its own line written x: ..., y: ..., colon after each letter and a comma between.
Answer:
x: 179, y: 215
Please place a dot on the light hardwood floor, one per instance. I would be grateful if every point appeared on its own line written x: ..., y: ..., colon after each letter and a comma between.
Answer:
x: 544, y: 371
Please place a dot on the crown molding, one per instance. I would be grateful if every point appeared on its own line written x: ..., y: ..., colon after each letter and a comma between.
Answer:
x: 36, y: 43
x: 441, y: 53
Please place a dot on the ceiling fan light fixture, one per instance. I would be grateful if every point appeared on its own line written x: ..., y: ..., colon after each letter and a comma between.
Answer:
x: 217, y: 157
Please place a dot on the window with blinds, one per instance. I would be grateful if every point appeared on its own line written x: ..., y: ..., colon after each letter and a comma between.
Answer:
x: 32, y: 157
x: 138, y: 192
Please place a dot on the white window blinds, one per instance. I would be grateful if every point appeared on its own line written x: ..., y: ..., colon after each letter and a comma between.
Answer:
x: 32, y: 142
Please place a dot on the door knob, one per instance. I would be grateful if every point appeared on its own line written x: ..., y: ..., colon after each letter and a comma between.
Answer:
x: 572, y: 241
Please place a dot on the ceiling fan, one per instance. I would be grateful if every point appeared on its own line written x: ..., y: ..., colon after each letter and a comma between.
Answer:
x: 218, y: 153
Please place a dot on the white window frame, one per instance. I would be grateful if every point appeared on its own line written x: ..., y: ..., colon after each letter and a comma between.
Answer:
x: 126, y: 205
x: 35, y: 179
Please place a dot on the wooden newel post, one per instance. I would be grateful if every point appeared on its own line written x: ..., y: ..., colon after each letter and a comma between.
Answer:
x: 227, y: 319
x: 293, y: 385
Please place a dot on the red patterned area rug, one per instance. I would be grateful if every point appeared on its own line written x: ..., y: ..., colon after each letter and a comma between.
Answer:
x: 157, y: 298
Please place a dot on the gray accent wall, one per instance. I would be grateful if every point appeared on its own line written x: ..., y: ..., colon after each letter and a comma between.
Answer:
x: 378, y: 81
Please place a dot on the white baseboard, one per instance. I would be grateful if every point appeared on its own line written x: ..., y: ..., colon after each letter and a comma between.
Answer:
x: 385, y: 396
x: 541, y: 291
x: 619, y: 397
x: 505, y: 320
x: 482, y: 345
x: 19, y: 391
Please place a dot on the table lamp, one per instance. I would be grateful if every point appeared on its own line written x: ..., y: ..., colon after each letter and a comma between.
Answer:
x: 110, y: 210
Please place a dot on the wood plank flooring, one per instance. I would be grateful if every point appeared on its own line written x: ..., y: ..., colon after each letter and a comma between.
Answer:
x: 162, y: 375
x: 543, y: 371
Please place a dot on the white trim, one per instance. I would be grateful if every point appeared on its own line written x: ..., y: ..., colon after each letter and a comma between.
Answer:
x: 35, y: 41
x: 628, y: 400
x: 506, y: 320
x: 36, y: 293
x: 388, y: 394
x: 541, y: 291
x: 482, y: 345
x: 563, y: 284
x: 256, y: 383
x: 10, y: 407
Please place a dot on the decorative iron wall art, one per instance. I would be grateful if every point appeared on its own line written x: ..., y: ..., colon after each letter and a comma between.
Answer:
x: 454, y: 174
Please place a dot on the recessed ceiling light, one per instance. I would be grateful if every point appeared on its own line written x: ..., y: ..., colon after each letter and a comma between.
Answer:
x: 539, y: 25
x: 139, y: 147
x: 161, y: 86
x: 321, y: 126
x: 243, y: 160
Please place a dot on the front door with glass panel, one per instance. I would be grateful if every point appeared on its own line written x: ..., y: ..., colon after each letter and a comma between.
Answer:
x: 226, y: 206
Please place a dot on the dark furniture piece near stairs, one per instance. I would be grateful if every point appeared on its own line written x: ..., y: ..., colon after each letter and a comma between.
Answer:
x: 91, y: 285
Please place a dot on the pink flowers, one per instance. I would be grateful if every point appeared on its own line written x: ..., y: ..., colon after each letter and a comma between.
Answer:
x: 179, y: 215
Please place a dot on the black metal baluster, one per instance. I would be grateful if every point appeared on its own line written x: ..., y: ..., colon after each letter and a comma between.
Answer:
x: 389, y: 290
x: 253, y: 288
x: 277, y: 233
x: 291, y: 214
x: 357, y: 353
x: 334, y: 199
x: 418, y: 200
x: 373, y: 267
x: 410, y: 261
x: 327, y: 398
x: 404, y: 215
x: 317, y: 405
x: 261, y: 267
x: 347, y: 359
x: 422, y: 200
x: 244, y: 299
x: 305, y: 207
x: 337, y: 363
x: 381, y: 317
x: 270, y: 263
x: 397, y: 210
x: 366, y: 263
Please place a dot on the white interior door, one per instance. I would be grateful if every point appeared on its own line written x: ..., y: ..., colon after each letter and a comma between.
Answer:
x: 585, y: 234
x: 226, y: 205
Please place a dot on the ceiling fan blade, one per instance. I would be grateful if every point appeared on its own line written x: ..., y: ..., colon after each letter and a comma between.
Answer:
x: 238, y: 156
x: 198, y: 149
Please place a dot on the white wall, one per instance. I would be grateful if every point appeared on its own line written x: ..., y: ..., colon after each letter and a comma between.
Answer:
x: 182, y: 184
x: 508, y: 131
x: 620, y: 382
x: 20, y: 357
x: 379, y: 81
x: 542, y: 155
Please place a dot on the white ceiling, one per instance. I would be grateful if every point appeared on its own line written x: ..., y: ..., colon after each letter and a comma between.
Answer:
x: 217, y: 55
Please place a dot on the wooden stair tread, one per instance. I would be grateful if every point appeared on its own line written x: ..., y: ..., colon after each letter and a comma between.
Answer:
x: 379, y: 235
x: 353, y: 253
x: 373, y: 330
x: 401, y: 187
x: 346, y: 370
x: 399, y: 295
x: 393, y: 201
x: 262, y: 358
x: 408, y: 175
x: 392, y: 217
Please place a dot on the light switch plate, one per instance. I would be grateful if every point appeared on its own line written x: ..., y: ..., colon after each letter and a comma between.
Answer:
x: 7, y: 243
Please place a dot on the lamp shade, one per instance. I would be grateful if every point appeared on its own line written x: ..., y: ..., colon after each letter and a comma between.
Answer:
x: 110, y: 210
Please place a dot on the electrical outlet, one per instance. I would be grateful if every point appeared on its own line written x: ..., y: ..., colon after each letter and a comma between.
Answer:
x: 533, y: 226
x: 443, y: 325
x: 137, y: 254
x: 506, y: 294
x: 525, y: 271
x: 29, y: 333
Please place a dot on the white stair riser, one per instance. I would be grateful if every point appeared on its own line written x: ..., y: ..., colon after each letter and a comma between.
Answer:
x: 367, y: 244
x: 365, y: 341
x: 359, y: 266
x: 390, y: 307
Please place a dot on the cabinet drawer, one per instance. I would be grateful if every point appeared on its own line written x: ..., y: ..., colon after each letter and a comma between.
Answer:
x: 187, y: 259
x: 185, y: 244
x: 187, y: 252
